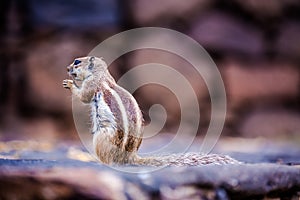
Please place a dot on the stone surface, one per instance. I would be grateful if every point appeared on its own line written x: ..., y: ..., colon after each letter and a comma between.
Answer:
x: 43, y: 170
x: 54, y: 180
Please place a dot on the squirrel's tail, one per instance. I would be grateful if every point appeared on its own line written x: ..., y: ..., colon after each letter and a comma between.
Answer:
x: 154, y: 161
x: 186, y: 159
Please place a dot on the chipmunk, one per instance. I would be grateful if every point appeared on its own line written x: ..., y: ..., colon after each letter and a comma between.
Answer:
x: 117, y: 121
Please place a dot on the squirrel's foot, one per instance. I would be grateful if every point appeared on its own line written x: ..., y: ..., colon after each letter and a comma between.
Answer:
x: 68, y: 83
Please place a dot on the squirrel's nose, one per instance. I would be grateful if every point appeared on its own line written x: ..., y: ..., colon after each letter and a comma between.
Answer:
x: 69, y: 69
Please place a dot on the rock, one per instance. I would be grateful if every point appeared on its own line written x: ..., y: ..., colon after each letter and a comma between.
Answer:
x: 45, y: 170
x: 47, y: 68
x: 264, y: 9
x: 281, y: 124
x: 288, y: 43
x: 154, y: 12
x: 181, y: 83
x: 260, y: 83
x: 223, y: 33
x: 61, y: 181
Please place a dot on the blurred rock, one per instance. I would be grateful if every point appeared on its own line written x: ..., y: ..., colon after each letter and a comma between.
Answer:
x: 223, y: 33
x: 266, y: 8
x: 104, y: 185
x: 288, y: 43
x: 255, y: 31
x: 76, y: 14
x: 173, y: 61
x: 41, y: 179
x: 258, y: 83
x: 281, y: 124
x: 170, y: 89
x: 46, y: 65
x: 155, y: 12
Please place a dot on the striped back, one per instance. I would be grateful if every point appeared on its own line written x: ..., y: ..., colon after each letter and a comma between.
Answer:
x: 126, y: 113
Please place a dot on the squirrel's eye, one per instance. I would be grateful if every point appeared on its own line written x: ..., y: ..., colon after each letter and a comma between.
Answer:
x: 76, y: 62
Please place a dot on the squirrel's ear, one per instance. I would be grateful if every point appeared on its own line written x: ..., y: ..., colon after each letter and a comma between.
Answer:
x: 92, y: 58
x: 91, y: 65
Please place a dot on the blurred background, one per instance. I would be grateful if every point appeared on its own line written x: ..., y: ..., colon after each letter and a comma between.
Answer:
x: 255, y: 44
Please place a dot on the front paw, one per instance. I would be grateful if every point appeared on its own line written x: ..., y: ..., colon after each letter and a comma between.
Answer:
x: 67, y: 83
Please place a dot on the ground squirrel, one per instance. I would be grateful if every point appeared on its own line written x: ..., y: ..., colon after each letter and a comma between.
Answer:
x: 117, y: 121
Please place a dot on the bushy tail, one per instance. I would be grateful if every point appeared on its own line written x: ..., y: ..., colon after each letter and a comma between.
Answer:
x: 186, y: 159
